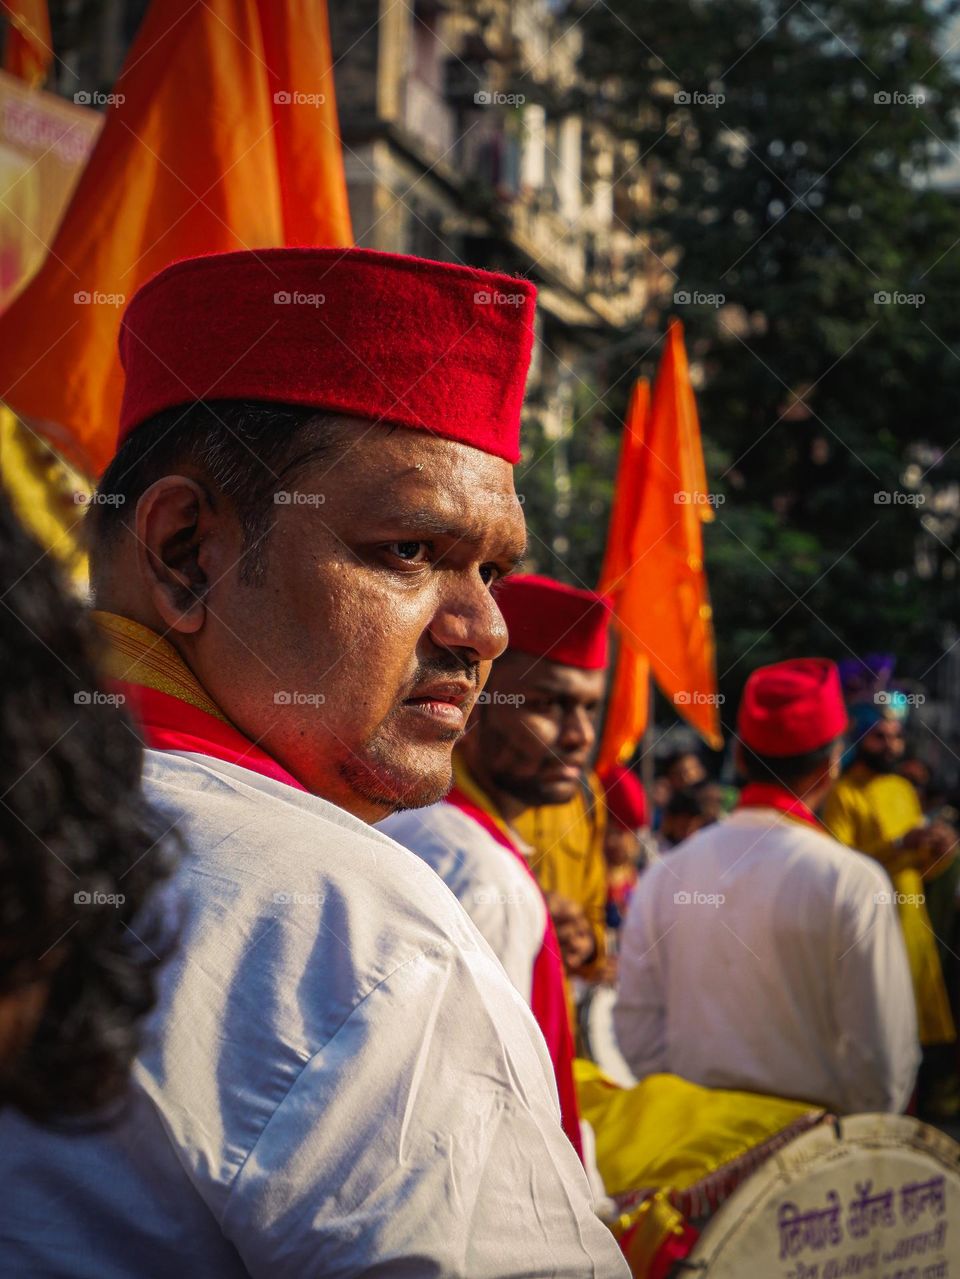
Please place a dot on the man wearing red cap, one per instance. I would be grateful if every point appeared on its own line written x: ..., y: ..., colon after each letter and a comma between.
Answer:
x: 527, y: 744
x: 293, y: 555
x: 762, y: 955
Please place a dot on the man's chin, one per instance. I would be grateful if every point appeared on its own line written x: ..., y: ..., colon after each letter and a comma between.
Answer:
x: 393, y: 785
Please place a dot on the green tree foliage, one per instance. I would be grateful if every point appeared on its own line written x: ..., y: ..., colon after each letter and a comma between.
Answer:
x: 790, y: 149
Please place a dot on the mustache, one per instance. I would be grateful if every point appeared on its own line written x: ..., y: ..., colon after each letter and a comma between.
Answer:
x: 444, y: 666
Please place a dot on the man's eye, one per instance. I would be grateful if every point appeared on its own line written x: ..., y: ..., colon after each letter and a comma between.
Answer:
x: 410, y: 552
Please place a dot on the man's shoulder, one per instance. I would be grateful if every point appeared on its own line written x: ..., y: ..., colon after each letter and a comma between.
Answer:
x: 453, y: 843
x: 264, y: 857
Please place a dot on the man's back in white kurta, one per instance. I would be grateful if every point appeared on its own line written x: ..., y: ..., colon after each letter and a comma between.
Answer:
x: 501, y: 898
x: 339, y: 1080
x: 763, y: 955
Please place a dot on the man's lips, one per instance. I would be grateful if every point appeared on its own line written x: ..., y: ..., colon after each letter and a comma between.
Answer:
x: 445, y: 703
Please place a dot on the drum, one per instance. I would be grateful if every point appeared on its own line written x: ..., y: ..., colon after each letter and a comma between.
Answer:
x: 599, y: 1043
x: 871, y: 1195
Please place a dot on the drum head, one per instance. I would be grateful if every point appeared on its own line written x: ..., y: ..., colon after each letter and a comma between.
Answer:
x: 874, y: 1195
x: 599, y: 1039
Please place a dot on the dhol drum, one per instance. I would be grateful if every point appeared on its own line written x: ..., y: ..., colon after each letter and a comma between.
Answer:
x: 867, y: 1195
x: 597, y: 1038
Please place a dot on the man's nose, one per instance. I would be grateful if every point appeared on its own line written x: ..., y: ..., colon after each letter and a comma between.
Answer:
x: 468, y: 619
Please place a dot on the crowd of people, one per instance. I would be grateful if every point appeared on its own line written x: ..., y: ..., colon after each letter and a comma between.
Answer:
x: 304, y: 1001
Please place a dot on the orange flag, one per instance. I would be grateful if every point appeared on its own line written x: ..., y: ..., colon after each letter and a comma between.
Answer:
x: 28, y: 46
x: 628, y: 700
x: 222, y: 134
x: 662, y: 609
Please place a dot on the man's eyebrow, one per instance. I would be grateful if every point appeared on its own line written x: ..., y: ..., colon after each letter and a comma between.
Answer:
x: 424, y: 520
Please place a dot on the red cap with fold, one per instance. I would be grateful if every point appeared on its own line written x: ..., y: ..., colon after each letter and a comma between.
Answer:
x: 792, y: 707
x: 550, y: 619
x: 427, y: 345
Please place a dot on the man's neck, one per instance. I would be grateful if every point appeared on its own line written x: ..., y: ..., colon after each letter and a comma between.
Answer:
x: 507, y: 806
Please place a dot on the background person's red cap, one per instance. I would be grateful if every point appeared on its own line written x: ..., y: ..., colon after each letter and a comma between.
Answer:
x: 427, y: 345
x: 625, y: 797
x: 550, y: 619
x: 792, y: 707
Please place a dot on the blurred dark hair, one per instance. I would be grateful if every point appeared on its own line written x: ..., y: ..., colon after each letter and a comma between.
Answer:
x: 687, y: 802
x: 246, y: 450
x: 784, y: 770
x: 81, y: 850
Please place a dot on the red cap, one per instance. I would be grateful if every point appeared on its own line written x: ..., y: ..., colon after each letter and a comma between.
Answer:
x: 550, y: 619
x: 792, y: 707
x: 427, y: 345
x: 625, y: 797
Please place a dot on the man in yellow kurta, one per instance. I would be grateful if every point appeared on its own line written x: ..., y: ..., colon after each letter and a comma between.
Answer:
x: 874, y: 810
x: 524, y: 757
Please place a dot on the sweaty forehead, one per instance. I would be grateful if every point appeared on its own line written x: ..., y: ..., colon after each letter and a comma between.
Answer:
x: 381, y: 472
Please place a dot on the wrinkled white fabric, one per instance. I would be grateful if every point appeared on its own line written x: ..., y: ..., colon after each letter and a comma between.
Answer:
x: 494, y: 889
x: 762, y: 955
x: 339, y: 1079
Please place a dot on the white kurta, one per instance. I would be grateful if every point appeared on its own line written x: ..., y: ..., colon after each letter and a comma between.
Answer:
x: 763, y: 955
x: 339, y: 1078
x: 494, y: 889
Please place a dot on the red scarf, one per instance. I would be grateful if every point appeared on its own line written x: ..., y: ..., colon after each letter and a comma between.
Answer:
x: 770, y: 795
x: 169, y: 724
x: 548, y: 999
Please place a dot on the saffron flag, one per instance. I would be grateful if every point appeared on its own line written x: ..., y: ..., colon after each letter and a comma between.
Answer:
x: 661, y: 605
x: 28, y: 46
x: 629, y: 697
x: 221, y: 134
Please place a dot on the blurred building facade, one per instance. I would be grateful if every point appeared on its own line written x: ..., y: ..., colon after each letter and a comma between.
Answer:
x: 466, y: 138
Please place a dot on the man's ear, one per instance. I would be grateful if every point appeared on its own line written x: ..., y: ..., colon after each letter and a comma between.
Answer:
x: 172, y: 521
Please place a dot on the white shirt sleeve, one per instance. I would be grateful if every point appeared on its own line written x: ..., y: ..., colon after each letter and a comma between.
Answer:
x: 875, y: 1006
x: 439, y: 1162
x: 501, y: 898
x: 639, y: 1015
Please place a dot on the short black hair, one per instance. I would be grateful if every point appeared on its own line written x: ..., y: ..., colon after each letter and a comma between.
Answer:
x: 248, y: 450
x: 82, y: 852
x: 784, y: 770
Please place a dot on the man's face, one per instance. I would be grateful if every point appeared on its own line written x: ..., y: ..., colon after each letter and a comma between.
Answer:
x: 686, y: 771
x: 356, y: 661
x: 882, y: 745
x: 536, y: 727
